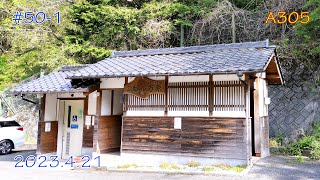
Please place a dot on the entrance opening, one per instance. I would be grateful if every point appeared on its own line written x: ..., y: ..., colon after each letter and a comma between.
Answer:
x: 252, y: 122
x: 71, y: 120
x: 110, y: 122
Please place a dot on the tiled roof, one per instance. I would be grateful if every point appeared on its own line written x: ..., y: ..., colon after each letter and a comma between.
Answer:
x: 51, y: 83
x: 211, y: 59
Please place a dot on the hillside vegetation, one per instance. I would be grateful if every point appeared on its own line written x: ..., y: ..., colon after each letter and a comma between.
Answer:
x: 90, y: 29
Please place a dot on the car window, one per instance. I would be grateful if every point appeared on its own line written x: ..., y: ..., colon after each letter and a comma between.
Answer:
x: 8, y: 123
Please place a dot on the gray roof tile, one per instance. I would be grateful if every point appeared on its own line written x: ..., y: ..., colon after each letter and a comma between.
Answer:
x: 221, y: 58
x: 52, y: 83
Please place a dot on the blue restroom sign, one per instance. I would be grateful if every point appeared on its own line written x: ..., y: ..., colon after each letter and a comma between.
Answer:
x: 75, y: 118
x: 74, y: 126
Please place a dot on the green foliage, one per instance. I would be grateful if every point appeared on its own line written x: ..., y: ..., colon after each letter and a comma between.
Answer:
x: 274, y: 142
x: 90, y: 29
x: 310, y: 143
x: 300, y: 159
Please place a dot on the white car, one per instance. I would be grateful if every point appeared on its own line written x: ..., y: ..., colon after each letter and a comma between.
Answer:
x: 11, y: 135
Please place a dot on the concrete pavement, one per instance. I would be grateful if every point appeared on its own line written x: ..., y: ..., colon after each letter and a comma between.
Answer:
x: 274, y: 167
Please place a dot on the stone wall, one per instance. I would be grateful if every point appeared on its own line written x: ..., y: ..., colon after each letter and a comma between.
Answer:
x: 295, y: 105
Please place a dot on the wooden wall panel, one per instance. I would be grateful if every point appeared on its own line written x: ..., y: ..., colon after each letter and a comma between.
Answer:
x: 109, y: 133
x: 48, y: 140
x: 87, y: 136
x: 202, y: 136
x: 87, y: 141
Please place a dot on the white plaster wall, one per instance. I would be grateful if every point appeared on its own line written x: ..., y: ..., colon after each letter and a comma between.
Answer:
x: 69, y: 95
x: 157, y: 78
x: 226, y: 77
x: 92, y: 103
x: 189, y: 113
x: 144, y: 113
x: 118, y: 102
x: 200, y: 78
x: 51, y: 107
x: 106, y: 103
x: 112, y: 83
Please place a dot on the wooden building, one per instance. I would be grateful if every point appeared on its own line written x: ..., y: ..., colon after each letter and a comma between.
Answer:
x: 201, y: 103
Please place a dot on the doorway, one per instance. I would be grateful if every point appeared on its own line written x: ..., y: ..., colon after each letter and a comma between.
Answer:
x: 253, y: 150
x: 72, y: 118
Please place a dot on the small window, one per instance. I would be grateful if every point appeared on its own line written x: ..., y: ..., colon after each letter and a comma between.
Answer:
x: 8, y: 123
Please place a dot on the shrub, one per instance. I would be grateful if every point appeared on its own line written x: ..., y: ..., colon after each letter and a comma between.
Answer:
x: 315, y: 150
x: 300, y: 159
x: 273, y: 142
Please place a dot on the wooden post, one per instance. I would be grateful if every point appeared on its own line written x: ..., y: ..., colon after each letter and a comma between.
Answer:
x: 40, y: 122
x: 257, y: 130
x: 248, y: 120
x: 210, y: 96
x: 166, y: 96
x: 96, y: 147
x: 125, y: 96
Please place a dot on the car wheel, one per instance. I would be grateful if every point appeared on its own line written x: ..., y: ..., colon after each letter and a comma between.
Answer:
x: 5, y: 147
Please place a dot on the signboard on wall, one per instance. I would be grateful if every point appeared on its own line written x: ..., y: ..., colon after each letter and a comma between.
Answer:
x: 143, y: 87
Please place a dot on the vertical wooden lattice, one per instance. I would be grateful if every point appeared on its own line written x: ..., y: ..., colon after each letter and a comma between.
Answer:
x: 155, y: 102
x: 188, y: 96
x: 228, y: 96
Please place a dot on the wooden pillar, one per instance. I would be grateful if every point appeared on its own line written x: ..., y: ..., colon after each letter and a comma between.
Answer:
x: 248, y: 120
x: 96, y: 147
x: 257, y: 130
x: 210, y: 96
x: 125, y: 96
x: 40, y: 122
x: 166, y: 96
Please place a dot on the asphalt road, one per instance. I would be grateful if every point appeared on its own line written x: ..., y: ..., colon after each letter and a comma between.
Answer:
x: 274, y: 167
x: 24, y: 151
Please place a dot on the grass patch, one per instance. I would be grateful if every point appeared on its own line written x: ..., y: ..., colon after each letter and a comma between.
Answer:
x: 238, y: 168
x: 175, y: 166
x: 193, y: 164
x: 208, y: 168
x: 165, y: 165
x: 224, y: 166
x: 125, y: 166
